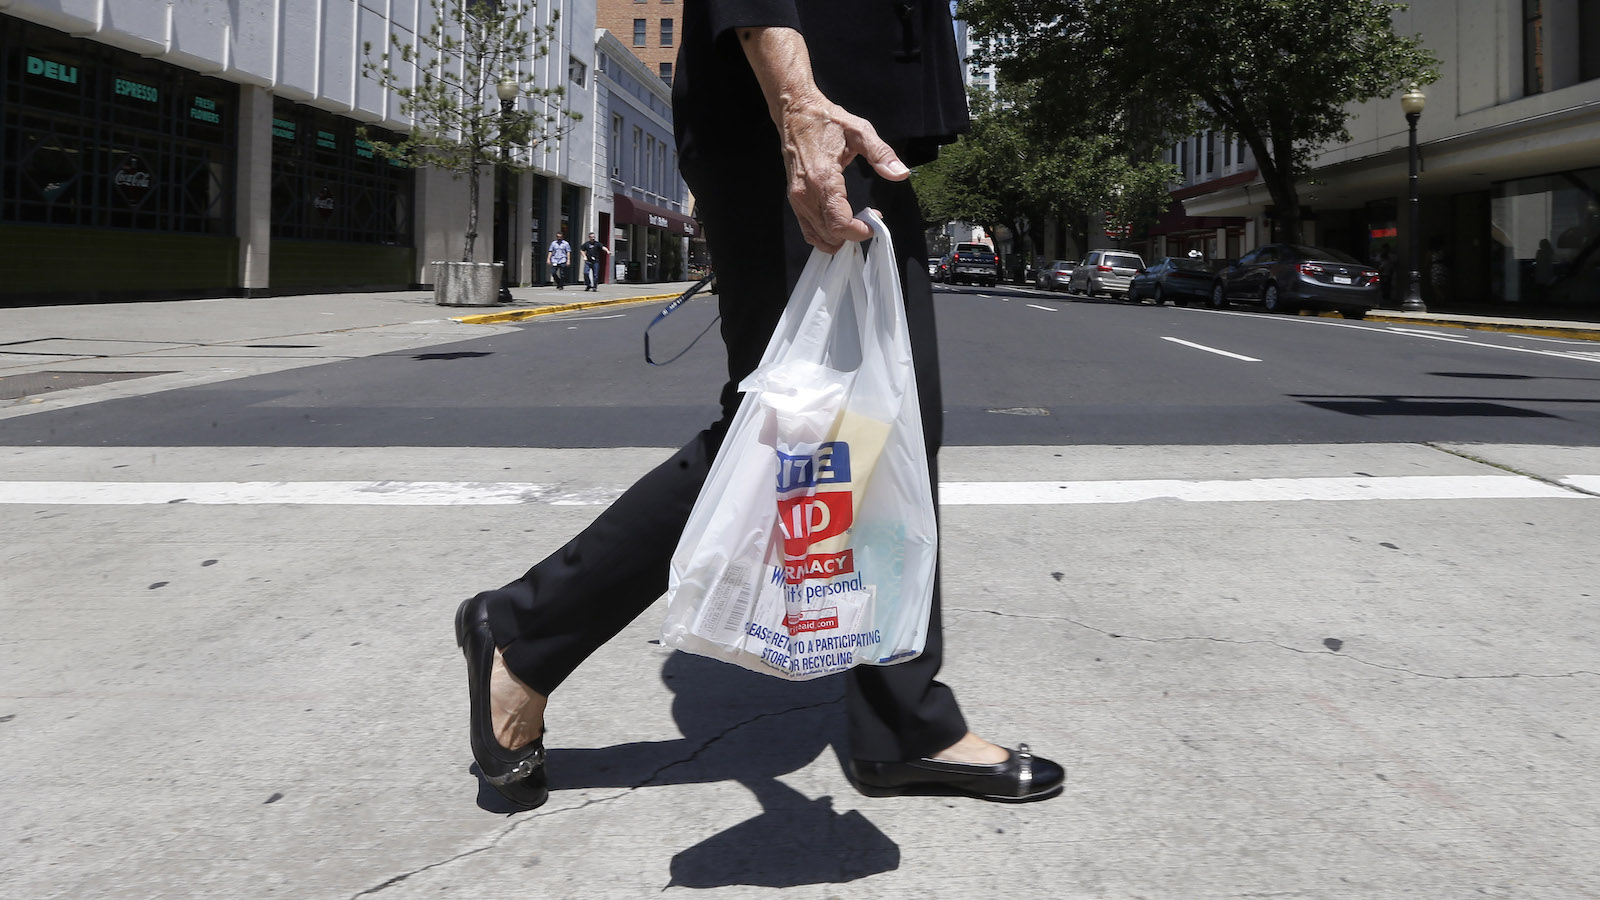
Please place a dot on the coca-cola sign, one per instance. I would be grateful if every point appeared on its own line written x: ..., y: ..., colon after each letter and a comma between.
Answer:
x: 324, y: 203
x: 132, y: 181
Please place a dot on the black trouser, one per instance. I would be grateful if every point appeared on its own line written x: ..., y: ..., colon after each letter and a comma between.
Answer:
x: 552, y: 618
x: 558, y: 272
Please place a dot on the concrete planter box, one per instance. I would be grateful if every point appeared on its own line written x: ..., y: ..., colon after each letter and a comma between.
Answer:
x: 466, y: 283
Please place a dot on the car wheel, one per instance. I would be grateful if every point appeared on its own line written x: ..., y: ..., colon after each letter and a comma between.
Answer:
x: 1219, y: 297
x: 1160, y: 296
x: 1274, y: 302
x: 1353, y: 313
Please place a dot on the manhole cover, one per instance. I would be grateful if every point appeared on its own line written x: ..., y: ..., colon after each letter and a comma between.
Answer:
x: 1021, y: 411
x: 14, y: 387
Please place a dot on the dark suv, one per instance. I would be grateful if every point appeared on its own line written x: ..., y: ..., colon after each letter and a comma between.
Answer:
x: 973, y: 262
x: 1289, y: 277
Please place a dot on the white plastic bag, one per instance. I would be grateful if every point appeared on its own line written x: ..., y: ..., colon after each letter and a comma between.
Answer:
x: 812, y: 546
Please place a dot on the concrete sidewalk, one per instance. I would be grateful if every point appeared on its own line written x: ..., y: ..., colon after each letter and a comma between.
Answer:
x: 111, y: 350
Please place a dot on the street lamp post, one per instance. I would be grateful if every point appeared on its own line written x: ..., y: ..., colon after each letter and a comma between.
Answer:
x: 507, y: 90
x: 1412, y: 102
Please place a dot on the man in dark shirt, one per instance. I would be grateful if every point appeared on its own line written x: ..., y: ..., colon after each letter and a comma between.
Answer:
x: 789, y: 118
x: 593, y: 259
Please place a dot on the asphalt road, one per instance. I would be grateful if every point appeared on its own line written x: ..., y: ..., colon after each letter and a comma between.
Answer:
x: 1362, y: 664
x: 1020, y: 367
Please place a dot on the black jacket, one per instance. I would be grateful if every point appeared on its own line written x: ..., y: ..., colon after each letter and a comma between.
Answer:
x: 892, y: 62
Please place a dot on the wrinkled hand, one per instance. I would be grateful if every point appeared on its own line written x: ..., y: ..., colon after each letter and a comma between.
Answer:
x: 820, y: 139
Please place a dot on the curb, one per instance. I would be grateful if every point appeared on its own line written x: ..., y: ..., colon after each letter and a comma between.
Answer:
x: 1582, y: 334
x: 518, y: 315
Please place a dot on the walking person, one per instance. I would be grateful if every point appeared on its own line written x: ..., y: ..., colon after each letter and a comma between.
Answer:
x: 777, y: 167
x: 560, y: 252
x: 593, y: 258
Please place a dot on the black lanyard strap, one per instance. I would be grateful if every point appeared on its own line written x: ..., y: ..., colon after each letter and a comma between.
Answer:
x: 668, y: 310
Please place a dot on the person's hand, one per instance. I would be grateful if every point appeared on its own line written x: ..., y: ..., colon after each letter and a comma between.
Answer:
x: 819, y: 140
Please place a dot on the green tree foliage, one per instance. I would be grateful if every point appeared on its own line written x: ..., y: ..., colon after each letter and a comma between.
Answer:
x: 1018, y: 167
x: 1280, y: 74
x: 447, y: 82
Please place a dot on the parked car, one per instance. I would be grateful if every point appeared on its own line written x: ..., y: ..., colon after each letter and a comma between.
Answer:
x: 1176, y: 278
x: 1105, y: 272
x: 1290, y: 277
x: 974, y: 262
x: 936, y: 269
x: 1054, y: 276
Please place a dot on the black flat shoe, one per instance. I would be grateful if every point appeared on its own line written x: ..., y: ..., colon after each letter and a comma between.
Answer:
x: 1021, y: 779
x: 518, y: 774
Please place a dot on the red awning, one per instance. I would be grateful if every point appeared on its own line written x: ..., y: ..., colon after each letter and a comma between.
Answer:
x: 1173, y: 221
x: 629, y: 211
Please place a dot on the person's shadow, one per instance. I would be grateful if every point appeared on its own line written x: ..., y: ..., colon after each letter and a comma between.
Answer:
x: 749, y: 728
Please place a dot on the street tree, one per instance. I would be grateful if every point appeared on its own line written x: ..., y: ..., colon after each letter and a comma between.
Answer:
x: 449, y: 83
x: 1280, y: 74
x: 1011, y: 171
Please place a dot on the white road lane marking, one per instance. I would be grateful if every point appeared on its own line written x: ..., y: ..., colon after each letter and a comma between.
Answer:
x: 1045, y: 308
x: 1558, y: 354
x: 957, y: 493
x: 1583, y: 482
x: 1254, y: 490
x: 1211, y: 349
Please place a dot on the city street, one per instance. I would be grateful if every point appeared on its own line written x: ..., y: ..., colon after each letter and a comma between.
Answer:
x: 1305, y: 606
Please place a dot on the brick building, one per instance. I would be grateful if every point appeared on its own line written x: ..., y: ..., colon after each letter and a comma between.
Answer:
x: 649, y: 28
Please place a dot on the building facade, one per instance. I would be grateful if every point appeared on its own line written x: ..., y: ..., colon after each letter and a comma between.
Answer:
x: 219, y: 152
x: 650, y: 29
x: 641, y: 201
x: 1510, y: 148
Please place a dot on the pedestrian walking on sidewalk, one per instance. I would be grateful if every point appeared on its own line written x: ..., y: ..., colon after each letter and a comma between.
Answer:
x: 790, y: 117
x: 560, y: 252
x: 593, y: 258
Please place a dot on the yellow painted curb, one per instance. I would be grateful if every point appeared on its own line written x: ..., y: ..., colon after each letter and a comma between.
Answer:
x: 517, y: 315
x: 1506, y: 327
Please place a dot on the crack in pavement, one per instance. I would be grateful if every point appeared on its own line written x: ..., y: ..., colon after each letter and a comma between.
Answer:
x: 1507, y: 467
x: 648, y: 781
x: 1300, y: 650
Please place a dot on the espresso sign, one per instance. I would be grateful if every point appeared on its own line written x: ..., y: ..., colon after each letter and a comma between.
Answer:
x: 132, y: 181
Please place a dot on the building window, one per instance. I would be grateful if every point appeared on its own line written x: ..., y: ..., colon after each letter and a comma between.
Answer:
x: 637, y: 173
x: 1211, y: 152
x: 666, y: 72
x: 328, y: 184
x: 1588, y: 40
x: 661, y: 168
x: 638, y: 32
x: 1227, y: 149
x: 100, y: 138
x: 649, y: 160
x: 666, y: 32
x: 576, y: 70
x: 1183, y: 159
x: 614, y: 154
x: 1533, y: 62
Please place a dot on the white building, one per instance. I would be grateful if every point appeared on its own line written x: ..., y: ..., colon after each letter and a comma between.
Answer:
x: 640, y: 198
x: 1510, y: 148
x: 210, y: 148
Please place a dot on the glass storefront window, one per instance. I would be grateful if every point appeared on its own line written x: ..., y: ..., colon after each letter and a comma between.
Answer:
x: 1546, y: 232
x: 97, y: 137
x: 329, y: 184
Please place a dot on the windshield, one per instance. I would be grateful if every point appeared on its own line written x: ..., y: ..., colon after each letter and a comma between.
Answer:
x: 1322, y: 253
x: 1188, y: 264
x: 972, y: 248
x: 1123, y: 259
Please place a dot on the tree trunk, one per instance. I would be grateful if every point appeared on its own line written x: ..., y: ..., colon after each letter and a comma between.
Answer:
x: 472, y: 209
